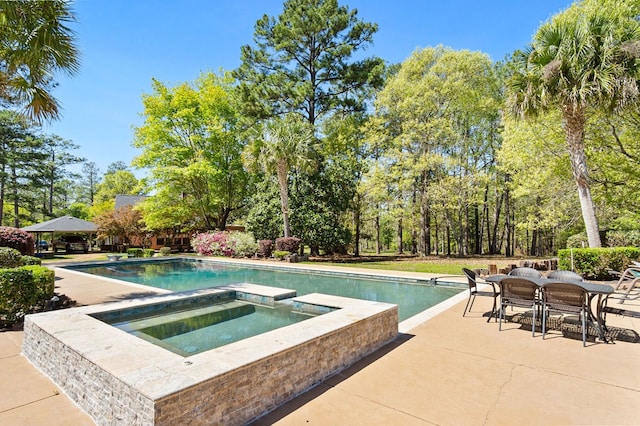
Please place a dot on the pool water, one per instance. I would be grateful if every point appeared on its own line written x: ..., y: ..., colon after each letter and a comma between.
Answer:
x: 191, y: 274
x: 201, y: 326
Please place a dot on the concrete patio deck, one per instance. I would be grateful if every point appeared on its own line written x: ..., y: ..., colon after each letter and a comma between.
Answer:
x: 449, y: 370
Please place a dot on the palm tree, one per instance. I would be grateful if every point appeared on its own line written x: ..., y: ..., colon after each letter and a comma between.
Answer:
x: 584, y: 58
x: 35, y: 42
x: 284, y: 145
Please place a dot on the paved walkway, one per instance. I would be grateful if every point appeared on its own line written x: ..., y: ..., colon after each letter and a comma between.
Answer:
x: 449, y: 370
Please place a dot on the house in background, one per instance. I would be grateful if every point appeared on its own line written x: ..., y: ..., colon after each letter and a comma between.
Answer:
x: 178, y: 242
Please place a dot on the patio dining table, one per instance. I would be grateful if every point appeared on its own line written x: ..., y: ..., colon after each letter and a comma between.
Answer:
x: 596, y: 291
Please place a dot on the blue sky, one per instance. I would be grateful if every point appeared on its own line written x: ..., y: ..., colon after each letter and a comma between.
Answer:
x: 126, y: 43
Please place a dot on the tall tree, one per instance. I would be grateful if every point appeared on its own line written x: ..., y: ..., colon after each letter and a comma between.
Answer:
x: 15, y: 135
x: 58, y: 156
x: 35, y: 42
x: 193, y: 151
x: 283, y: 145
x: 436, y: 119
x: 121, y: 182
x: 303, y: 62
x: 584, y: 58
x: 90, y: 181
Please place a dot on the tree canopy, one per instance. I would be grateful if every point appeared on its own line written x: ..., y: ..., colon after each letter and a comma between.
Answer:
x: 35, y: 42
x: 192, y: 149
x: 303, y: 62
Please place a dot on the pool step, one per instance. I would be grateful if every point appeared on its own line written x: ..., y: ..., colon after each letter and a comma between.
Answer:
x: 175, y: 323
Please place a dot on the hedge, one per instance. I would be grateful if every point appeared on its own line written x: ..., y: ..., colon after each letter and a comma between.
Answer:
x: 43, y: 280
x: 10, y: 258
x: 17, y: 293
x: 265, y: 248
x: 290, y: 244
x: 135, y: 252
x: 594, y: 263
x: 22, y: 289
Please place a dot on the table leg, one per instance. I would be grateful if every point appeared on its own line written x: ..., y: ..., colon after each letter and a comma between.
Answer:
x: 598, y: 317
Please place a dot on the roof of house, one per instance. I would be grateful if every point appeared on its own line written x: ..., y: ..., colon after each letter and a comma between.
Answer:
x: 129, y: 200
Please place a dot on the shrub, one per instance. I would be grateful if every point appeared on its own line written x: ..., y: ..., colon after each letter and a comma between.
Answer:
x: 17, y: 293
x: 134, y: 252
x: 10, y: 258
x: 594, y: 263
x: 242, y: 243
x: 148, y: 252
x: 165, y: 251
x: 578, y: 241
x: 43, y: 281
x: 623, y: 238
x: 265, y: 248
x: 290, y: 244
x: 17, y: 239
x: 278, y: 254
x: 31, y: 260
x: 222, y: 243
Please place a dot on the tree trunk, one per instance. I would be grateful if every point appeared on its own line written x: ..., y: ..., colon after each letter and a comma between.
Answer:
x: 437, y: 236
x: 476, y: 229
x: 508, y: 249
x: 377, y: 227
x: 51, y: 183
x: 496, y: 221
x: 2, y: 188
x: 575, y: 121
x: 356, y: 222
x: 284, y: 199
x: 16, y: 209
x: 424, y: 247
x: 448, y: 229
x: 400, y: 236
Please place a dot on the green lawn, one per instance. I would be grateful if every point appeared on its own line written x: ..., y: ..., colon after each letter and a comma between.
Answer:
x: 444, y: 266
x: 433, y: 265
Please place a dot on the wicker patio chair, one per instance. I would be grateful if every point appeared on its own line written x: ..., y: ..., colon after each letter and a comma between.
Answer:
x: 562, y: 275
x: 519, y: 292
x: 565, y: 298
x: 525, y: 272
x: 473, y: 292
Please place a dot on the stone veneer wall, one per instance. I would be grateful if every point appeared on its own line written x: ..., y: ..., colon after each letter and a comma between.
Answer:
x: 233, y: 398
x: 250, y: 392
x: 99, y: 393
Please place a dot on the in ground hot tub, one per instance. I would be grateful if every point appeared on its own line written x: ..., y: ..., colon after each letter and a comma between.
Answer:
x: 118, y: 378
x: 191, y: 325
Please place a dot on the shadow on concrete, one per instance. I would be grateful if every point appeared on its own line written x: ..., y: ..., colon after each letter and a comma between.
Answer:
x: 322, y: 387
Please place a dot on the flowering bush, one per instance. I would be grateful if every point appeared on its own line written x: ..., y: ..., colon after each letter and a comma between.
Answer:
x: 17, y: 239
x: 222, y: 243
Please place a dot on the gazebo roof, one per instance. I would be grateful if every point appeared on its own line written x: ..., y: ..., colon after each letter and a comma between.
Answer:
x: 63, y: 224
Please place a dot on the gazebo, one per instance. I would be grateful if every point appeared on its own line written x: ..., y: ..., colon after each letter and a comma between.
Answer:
x: 62, y: 225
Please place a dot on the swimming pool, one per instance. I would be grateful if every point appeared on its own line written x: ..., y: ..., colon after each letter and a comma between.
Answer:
x: 183, y: 274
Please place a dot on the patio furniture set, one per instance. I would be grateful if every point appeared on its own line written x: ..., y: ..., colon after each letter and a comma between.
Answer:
x: 561, y: 292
